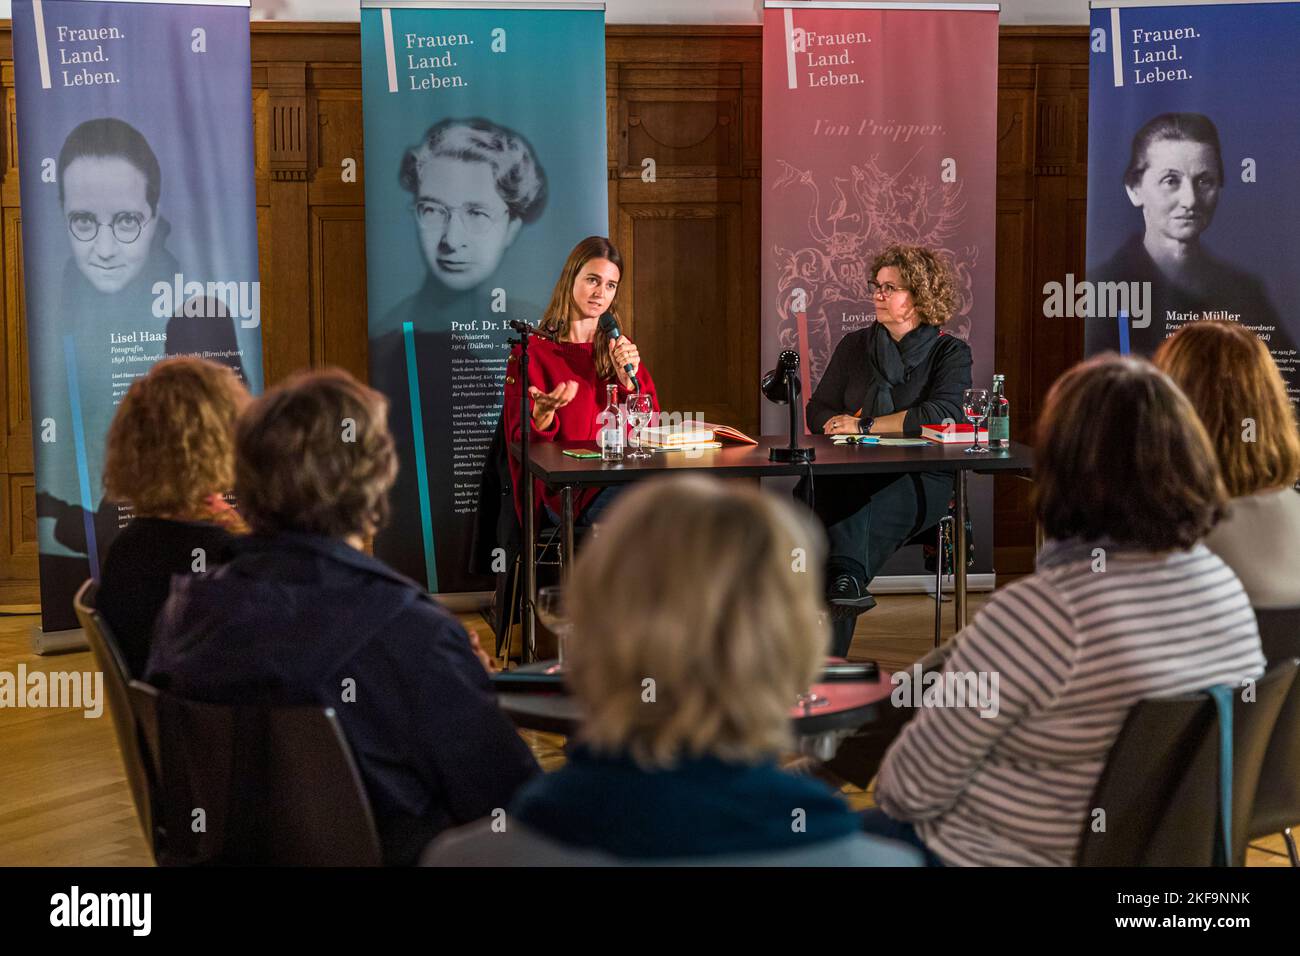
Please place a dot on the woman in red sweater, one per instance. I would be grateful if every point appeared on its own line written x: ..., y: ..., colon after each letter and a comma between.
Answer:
x: 567, y: 378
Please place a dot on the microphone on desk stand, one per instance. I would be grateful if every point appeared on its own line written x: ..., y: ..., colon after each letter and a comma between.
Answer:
x: 781, y: 386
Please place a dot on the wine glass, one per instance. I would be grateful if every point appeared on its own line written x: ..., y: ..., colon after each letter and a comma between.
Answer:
x: 808, y: 699
x: 639, y: 410
x: 975, y: 406
x: 555, y: 617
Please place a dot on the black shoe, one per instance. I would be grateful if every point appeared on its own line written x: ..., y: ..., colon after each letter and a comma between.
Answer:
x: 847, y: 596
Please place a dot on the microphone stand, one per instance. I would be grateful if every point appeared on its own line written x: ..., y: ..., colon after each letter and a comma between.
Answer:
x: 527, y: 611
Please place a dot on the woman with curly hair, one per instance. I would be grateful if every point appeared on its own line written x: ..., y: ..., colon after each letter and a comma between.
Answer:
x: 170, y: 456
x: 895, y: 375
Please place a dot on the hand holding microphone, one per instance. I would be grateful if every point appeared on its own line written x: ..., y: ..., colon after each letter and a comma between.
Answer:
x: 624, y: 354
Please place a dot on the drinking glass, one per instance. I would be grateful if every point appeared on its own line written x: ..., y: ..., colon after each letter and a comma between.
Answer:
x: 639, y: 410
x: 554, y: 616
x: 975, y: 406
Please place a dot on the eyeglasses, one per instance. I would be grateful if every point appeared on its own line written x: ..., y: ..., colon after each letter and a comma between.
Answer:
x: 886, y: 289
x: 434, y: 216
x: 126, y: 226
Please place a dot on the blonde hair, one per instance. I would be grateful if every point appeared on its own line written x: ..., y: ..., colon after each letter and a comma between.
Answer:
x: 711, y: 591
x: 1228, y: 374
x: 172, y: 440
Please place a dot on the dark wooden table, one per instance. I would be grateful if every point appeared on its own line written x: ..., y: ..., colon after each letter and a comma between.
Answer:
x: 558, y: 470
x: 547, y: 706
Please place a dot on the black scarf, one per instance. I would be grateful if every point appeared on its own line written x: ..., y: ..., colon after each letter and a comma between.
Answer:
x: 892, y: 362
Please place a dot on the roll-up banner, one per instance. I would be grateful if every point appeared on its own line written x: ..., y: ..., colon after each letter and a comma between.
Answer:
x: 1193, y: 202
x: 485, y: 163
x: 135, y: 154
x: 879, y: 127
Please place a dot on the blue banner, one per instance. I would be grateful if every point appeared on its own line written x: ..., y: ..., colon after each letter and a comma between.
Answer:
x: 485, y: 163
x: 1192, y: 197
x: 139, y: 235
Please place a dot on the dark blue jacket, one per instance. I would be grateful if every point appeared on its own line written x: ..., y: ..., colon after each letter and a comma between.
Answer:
x: 290, y: 618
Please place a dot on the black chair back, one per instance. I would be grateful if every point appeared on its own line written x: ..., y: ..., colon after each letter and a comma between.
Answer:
x: 1277, y: 805
x: 1254, y: 726
x: 1159, y: 790
x: 111, y: 661
x: 1279, y: 632
x: 256, y: 785
x: 1150, y: 764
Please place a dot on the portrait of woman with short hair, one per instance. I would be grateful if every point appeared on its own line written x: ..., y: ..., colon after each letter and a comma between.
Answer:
x: 1175, y: 180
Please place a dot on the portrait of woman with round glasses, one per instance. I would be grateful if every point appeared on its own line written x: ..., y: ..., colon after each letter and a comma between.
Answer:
x: 109, y: 185
x: 473, y: 186
x: 110, y: 188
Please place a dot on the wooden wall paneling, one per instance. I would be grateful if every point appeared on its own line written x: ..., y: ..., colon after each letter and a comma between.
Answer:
x: 16, y: 440
x: 688, y: 98
x: 1040, y: 185
x: 286, y: 331
x: 690, y: 307
x: 337, y: 209
x: 1057, y: 343
x: 338, y: 298
x: 1013, y: 530
x: 18, y: 567
x: 338, y: 138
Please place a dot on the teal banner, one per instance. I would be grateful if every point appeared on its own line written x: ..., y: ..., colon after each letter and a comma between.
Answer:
x: 485, y: 163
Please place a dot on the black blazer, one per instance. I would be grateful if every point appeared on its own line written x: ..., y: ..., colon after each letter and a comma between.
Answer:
x: 931, y: 391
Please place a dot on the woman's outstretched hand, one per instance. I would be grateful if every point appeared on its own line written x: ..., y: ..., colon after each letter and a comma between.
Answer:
x: 545, y: 404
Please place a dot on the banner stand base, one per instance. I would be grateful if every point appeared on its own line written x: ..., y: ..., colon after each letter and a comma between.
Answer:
x: 58, y: 642
x: 465, y: 602
x: 924, y: 583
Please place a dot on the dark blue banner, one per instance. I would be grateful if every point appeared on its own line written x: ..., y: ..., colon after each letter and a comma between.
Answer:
x: 1192, y: 193
x: 139, y: 235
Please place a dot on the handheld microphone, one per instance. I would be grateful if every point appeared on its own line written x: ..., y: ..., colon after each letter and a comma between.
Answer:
x: 609, y: 325
x: 523, y: 328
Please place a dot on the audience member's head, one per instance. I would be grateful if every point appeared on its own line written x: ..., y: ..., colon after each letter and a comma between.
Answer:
x: 1122, y: 456
x: 171, y: 445
x: 696, y: 623
x: 1226, y: 372
x: 314, y: 455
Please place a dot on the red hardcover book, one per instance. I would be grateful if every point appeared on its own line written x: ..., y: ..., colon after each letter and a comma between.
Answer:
x: 954, y: 432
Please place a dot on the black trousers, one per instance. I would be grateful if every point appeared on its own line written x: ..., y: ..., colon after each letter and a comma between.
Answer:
x: 869, y: 517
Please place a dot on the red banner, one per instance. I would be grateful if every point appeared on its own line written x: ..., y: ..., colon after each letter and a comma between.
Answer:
x: 879, y: 127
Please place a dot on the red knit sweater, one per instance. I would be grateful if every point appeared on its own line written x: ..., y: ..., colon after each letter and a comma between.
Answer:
x: 549, y: 364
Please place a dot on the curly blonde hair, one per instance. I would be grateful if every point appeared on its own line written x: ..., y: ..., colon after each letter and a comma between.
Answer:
x: 719, y: 604
x: 314, y: 455
x: 171, y: 443
x: 927, y: 275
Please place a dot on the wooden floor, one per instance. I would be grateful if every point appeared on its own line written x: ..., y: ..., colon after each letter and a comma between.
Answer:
x: 65, y: 800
